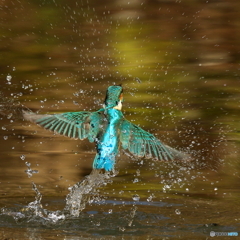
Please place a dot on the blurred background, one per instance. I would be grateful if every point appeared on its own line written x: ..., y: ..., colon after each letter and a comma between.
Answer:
x: 178, y: 62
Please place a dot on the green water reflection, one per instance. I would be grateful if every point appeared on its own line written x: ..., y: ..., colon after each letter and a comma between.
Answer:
x: 179, y: 64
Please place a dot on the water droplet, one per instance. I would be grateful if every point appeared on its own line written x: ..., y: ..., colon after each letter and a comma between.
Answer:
x: 22, y: 157
x: 9, y: 116
x: 177, y: 211
x: 9, y: 77
x: 135, y: 180
x: 149, y: 199
x: 138, y: 80
x: 136, y: 197
x: 5, y: 137
x: 110, y: 211
x: 28, y: 164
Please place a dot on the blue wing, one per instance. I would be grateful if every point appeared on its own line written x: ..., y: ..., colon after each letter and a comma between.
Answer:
x: 143, y: 144
x: 78, y: 125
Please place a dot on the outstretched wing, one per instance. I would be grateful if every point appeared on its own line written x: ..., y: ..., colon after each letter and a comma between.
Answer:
x: 79, y: 125
x: 143, y: 144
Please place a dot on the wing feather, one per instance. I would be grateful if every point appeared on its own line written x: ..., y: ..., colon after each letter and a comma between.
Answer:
x: 79, y: 125
x: 143, y: 144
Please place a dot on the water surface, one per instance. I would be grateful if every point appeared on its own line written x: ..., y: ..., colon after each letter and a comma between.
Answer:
x: 179, y: 65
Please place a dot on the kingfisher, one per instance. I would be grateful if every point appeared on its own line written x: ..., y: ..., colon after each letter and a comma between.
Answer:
x: 109, y: 130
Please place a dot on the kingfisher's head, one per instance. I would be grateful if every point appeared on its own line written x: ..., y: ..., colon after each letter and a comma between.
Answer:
x: 114, y: 97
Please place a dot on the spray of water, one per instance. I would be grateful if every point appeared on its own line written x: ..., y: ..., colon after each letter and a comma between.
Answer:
x: 81, y: 194
x: 84, y: 191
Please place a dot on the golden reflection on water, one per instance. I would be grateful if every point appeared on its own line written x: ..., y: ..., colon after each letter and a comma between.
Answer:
x: 63, y: 56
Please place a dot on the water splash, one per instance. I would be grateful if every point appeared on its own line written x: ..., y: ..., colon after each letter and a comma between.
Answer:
x: 132, y: 215
x: 11, y: 108
x: 84, y: 191
x: 81, y: 194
